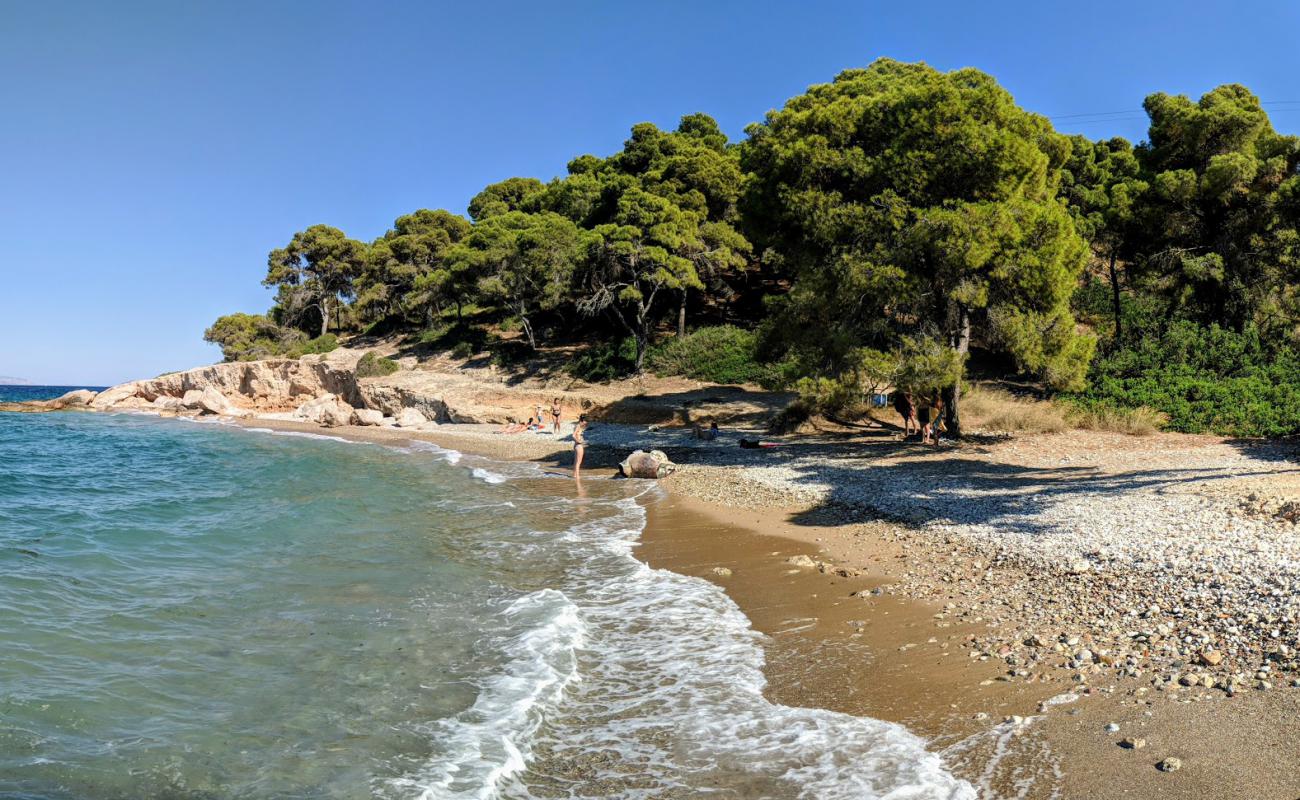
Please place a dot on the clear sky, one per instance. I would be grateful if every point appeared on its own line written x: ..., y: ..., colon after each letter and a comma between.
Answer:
x: 151, y: 153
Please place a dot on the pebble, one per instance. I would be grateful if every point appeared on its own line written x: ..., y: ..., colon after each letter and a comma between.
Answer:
x: 1170, y: 764
x: 1133, y: 743
x: 1112, y: 727
x: 1131, y: 579
x: 722, y: 572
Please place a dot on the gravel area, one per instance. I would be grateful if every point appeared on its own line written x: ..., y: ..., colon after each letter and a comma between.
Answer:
x: 1171, y: 559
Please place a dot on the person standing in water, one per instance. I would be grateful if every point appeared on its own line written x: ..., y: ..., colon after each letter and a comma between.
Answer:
x: 579, y: 443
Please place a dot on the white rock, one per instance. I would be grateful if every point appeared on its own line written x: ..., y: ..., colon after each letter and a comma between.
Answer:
x: 369, y: 416
x: 327, y: 411
x: 410, y: 418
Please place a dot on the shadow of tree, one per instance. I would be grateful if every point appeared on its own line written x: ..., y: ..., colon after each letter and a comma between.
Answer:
x: 878, y: 476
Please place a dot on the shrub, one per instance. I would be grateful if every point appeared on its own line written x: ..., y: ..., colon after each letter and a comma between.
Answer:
x: 373, y: 366
x: 247, y: 337
x: 601, y: 363
x: 999, y: 410
x: 1203, y: 379
x: 321, y: 344
x: 462, y: 350
x: 1140, y: 421
x: 722, y: 354
x: 507, y: 353
x: 452, y: 335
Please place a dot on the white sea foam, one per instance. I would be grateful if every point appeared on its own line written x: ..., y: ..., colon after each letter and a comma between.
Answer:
x: 488, y: 475
x: 447, y: 454
x: 667, y: 674
x: 490, y: 743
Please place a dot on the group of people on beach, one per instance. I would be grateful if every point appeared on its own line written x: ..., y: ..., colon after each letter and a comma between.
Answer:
x: 925, y: 416
x: 537, y: 424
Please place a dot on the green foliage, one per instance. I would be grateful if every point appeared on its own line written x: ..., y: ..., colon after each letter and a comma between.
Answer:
x: 925, y: 365
x: 248, y: 337
x: 1206, y: 379
x: 526, y: 261
x: 406, y: 274
x: 316, y: 346
x: 507, y: 353
x: 604, y: 362
x: 722, y: 354
x: 511, y: 194
x: 1219, y: 233
x: 314, y: 272
x: 903, y: 200
x: 462, y: 350
x: 452, y: 335
x: 373, y: 366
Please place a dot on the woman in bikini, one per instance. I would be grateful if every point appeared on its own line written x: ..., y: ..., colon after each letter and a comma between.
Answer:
x: 579, y: 443
x: 555, y: 414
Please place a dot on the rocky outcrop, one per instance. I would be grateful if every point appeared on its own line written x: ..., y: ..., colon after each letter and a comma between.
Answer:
x: 78, y: 398
x: 328, y: 410
x: 241, y: 388
x: 276, y: 384
x: 110, y: 398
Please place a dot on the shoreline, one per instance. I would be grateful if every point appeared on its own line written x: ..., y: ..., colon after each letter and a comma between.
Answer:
x: 864, y: 643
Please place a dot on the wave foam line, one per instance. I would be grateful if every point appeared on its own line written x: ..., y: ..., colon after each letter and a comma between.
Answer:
x: 489, y: 744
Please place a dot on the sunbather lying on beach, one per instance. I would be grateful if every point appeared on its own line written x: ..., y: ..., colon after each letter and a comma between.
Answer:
x: 514, y: 427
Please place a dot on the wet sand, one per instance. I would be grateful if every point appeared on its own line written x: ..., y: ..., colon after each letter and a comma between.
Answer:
x: 888, y: 657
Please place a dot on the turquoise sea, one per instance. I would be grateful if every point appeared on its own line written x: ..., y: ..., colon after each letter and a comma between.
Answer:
x: 196, y: 610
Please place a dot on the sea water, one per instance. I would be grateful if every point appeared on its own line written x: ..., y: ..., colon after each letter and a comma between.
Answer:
x: 193, y: 610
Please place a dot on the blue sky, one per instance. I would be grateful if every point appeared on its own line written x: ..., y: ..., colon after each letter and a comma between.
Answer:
x: 151, y: 153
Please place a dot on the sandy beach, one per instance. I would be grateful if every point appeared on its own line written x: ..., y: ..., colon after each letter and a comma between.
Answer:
x: 1043, y: 610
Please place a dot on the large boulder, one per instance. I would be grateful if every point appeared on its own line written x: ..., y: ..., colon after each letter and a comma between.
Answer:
x: 208, y: 400
x: 641, y: 464
x: 369, y: 416
x: 169, y: 404
x: 110, y: 398
x: 411, y: 418
x: 328, y: 411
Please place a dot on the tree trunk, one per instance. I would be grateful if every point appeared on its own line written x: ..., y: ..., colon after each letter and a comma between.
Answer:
x: 681, y: 317
x: 642, y: 334
x: 952, y: 414
x: 1114, y: 292
x: 458, y: 320
x: 528, y: 328
x: 324, y: 316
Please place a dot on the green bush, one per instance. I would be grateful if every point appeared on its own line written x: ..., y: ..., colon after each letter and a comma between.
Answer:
x: 321, y: 344
x: 454, y: 336
x: 722, y: 354
x: 248, y: 337
x: 1204, y: 379
x: 601, y: 363
x: 507, y: 353
x: 373, y: 366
